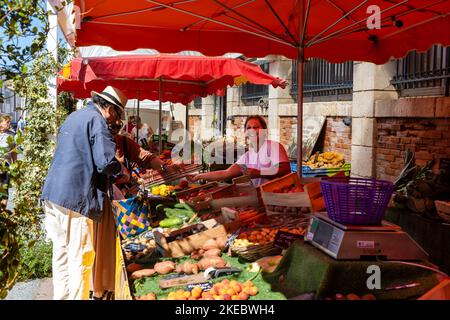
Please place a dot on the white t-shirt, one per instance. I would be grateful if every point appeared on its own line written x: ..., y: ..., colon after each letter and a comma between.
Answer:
x: 143, y: 132
x: 269, y: 156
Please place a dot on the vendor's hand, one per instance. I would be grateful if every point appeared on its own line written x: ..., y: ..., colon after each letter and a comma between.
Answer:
x: 253, y: 173
x: 175, y: 168
x: 193, y: 177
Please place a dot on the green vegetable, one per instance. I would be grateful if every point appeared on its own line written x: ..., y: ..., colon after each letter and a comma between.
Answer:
x: 170, y: 222
x: 184, y: 206
x: 181, y: 213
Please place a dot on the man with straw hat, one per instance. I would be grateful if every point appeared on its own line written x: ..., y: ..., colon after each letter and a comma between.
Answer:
x: 76, y: 187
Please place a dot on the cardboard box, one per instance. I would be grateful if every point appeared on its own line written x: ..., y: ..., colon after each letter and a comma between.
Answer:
x: 184, y: 246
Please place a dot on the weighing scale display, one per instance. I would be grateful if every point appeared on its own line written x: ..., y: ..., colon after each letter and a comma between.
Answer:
x: 323, y: 234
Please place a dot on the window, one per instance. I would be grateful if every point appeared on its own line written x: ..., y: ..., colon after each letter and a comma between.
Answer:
x: 252, y: 93
x: 198, y: 103
x: 422, y: 74
x: 324, y: 81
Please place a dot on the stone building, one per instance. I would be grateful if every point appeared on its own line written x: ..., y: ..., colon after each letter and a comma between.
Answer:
x: 373, y: 113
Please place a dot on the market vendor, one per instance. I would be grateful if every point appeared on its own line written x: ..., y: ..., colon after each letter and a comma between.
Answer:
x: 105, y: 240
x: 264, y: 160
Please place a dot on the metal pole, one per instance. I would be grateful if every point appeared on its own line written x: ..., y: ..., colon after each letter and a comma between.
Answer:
x: 186, y: 121
x: 160, y: 116
x: 300, y: 62
x: 137, y: 124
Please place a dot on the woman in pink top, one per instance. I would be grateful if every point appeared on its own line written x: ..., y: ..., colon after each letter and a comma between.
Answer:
x: 264, y: 160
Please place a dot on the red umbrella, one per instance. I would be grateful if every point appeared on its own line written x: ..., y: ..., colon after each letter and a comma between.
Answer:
x: 184, y: 77
x: 337, y: 30
x: 173, y: 78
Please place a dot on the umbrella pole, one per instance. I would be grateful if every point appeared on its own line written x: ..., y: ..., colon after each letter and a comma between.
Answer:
x: 137, y: 129
x: 186, y: 120
x: 160, y: 117
x: 300, y: 65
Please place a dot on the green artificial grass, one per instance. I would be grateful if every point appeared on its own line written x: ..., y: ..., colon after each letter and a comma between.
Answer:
x: 150, y: 284
x: 305, y: 269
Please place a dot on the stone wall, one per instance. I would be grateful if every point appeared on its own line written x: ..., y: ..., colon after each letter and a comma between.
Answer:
x: 428, y: 138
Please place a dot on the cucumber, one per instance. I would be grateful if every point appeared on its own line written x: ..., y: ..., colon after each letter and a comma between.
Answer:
x: 170, y: 222
x: 182, y: 214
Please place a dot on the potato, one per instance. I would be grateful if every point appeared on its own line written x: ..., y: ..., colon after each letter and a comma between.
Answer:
x: 142, y: 273
x: 164, y: 267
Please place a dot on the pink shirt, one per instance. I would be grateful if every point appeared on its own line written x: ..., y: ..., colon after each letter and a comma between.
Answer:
x: 268, y: 157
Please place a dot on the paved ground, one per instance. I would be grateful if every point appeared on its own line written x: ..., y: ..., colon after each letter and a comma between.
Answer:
x: 39, y: 289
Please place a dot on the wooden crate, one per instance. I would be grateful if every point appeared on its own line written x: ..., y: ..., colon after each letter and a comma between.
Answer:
x: 297, y: 199
x: 182, y: 247
x: 234, y: 199
x: 184, y: 193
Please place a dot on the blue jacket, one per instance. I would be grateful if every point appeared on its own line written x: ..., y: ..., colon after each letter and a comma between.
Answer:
x: 83, y: 162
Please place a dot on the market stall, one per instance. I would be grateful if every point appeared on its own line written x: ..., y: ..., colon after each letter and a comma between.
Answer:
x: 276, y: 248
x: 334, y: 30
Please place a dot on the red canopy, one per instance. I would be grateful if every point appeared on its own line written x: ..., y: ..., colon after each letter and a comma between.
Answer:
x: 183, y: 77
x: 336, y: 30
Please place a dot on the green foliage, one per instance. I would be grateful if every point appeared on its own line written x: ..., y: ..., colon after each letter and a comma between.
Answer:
x: 18, y: 21
x: 35, y: 260
x: 22, y: 227
x: 37, y: 147
x: 9, y: 252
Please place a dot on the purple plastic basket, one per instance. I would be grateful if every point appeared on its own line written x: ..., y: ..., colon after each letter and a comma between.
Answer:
x: 356, y: 201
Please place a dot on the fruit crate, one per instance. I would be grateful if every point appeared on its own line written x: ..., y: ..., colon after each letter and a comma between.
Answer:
x: 325, y: 172
x: 295, y: 203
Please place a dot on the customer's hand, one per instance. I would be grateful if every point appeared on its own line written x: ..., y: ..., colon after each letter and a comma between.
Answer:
x: 124, y: 176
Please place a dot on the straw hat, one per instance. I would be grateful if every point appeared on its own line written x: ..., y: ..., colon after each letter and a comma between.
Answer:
x: 113, y: 95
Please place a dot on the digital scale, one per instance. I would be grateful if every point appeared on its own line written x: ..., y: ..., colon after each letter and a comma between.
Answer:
x: 385, y: 242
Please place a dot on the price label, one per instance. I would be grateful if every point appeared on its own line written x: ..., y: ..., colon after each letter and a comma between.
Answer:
x: 284, y: 239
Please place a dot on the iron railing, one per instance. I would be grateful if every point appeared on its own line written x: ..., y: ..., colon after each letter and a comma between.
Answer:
x: 252, y: 93
x: 324, y: 81
x: 422, y: 74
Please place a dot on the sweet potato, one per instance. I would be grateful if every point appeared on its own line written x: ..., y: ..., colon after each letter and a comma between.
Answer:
x: 164, y: 267
x: 197, y: 254
x: 187, y: 268
x: 212, y: 253
x: 132, y: 267
x: 142, y: 273
x: 214, y: 262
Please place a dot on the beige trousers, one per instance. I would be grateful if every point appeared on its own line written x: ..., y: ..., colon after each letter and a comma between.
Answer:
x: 73, y: 252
